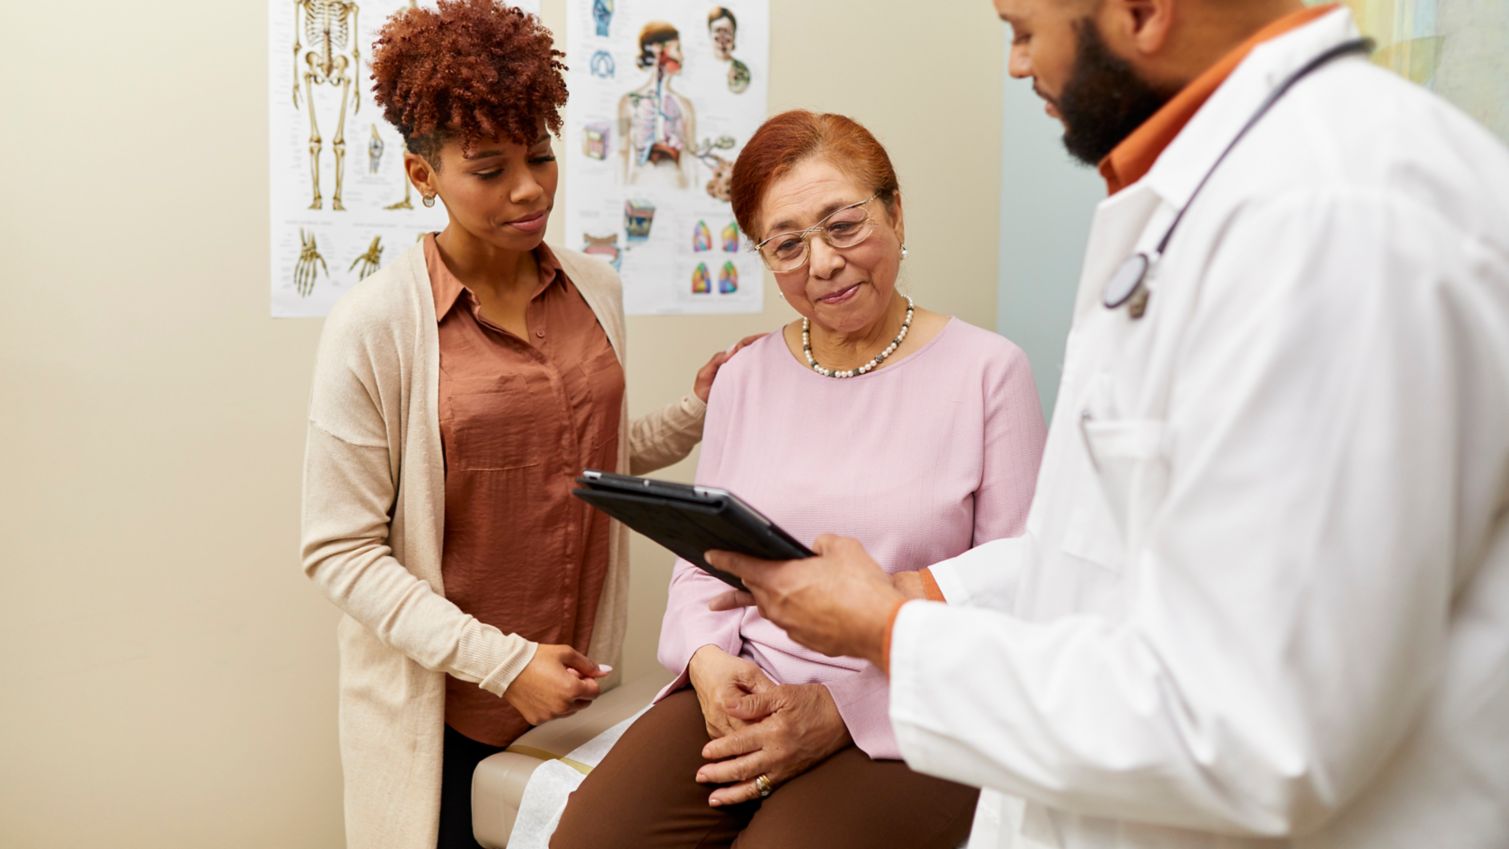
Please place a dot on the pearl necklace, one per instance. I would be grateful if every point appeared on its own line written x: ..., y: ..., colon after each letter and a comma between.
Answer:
x: 868, y: 367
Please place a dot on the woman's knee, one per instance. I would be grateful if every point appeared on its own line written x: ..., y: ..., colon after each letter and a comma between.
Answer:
x: 645, y: 786
x: 583, y: 825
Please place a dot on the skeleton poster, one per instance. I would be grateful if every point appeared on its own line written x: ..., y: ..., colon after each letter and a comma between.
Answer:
x: 340, y: 204
x: 664, y: 94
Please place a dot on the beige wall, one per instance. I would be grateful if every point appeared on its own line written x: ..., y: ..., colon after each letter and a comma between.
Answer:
x: 168, y: 674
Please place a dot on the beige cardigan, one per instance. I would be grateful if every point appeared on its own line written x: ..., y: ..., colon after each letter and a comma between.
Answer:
x: 373, y: 523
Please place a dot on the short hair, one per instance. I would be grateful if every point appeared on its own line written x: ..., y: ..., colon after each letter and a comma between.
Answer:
x: 790, y: 138
x: 721, y: 12
x: 472, y: 70
x: 655, y: 32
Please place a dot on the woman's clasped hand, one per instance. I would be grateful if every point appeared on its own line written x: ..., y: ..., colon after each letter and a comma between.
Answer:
x: 558, y: 681
x: 758, y: 727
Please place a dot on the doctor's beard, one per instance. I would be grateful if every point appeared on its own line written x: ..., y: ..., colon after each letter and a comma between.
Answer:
x: 1103, y: 100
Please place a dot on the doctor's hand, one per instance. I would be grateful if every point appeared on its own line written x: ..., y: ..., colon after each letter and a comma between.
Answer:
x: 702, y: 386
x: 791, y: 727
x: 838, y: 603
x: 721, y: 679
x: 558, y: 681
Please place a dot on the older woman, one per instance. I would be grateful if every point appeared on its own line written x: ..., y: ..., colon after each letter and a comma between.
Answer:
x: 911, y: 430
x: 456, y: 393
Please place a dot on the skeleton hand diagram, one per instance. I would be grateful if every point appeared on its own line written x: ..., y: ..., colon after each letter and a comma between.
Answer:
x: 369, y: 261
x: 331, y: 29
x: 305, y: 271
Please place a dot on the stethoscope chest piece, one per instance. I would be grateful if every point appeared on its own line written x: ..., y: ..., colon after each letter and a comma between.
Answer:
x: 1128, y: 284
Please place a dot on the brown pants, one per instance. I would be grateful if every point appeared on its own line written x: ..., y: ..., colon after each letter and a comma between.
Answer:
x: 644, y: 795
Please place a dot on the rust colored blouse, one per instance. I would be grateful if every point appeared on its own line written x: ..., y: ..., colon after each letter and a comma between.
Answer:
x: 519, y: 419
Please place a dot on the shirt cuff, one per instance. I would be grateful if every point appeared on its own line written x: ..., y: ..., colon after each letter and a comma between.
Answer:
x: 911, y: 695
x: 730, y: 646
x: 930, y: 589
x: 890, y: 628
x: 864, y: 703
x: 689, y: 415
x: 502, y: 676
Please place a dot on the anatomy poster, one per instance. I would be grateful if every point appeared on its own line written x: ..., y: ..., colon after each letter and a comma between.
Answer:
x: 664, y: 94
x: 340, y: 204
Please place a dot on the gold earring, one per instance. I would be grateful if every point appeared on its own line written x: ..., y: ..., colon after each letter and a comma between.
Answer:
x: 428, y: 201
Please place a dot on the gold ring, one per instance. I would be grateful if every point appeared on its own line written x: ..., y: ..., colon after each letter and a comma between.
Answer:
x: 762, y: 784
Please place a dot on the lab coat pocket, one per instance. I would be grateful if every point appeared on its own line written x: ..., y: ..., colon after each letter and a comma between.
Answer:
x: 1129, y: 458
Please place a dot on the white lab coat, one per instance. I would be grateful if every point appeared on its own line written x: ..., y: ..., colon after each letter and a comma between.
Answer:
x: 1263, y: 596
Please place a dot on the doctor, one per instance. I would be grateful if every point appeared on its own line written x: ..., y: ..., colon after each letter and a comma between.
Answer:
x: 1263, y: 596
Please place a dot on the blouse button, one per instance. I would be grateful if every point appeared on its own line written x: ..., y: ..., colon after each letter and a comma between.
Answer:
x: 540, y: 333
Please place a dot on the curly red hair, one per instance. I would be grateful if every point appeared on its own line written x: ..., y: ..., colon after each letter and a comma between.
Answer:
x: 472, y: 70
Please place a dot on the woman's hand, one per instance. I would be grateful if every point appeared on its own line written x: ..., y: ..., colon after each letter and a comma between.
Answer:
x: 558, y: 681
x: 721, y: 679
x: 702, y: 386
x: 790, y: 728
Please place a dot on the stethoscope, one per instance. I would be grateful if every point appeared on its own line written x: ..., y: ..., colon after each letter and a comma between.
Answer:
x: 1127, y: 283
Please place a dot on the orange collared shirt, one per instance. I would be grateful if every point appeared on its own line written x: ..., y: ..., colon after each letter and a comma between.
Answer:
x: 1134, y: 157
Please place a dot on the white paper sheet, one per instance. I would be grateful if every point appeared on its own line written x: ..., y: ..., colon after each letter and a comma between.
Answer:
x: 549, y: 786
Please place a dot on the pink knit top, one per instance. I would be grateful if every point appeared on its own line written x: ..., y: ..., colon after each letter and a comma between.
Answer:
x: 920, y: 460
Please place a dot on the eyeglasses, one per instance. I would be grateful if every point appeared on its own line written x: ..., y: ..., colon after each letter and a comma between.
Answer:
x: 844, y: 227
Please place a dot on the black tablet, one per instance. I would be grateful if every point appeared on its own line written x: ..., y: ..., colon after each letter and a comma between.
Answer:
x: 689, y: 520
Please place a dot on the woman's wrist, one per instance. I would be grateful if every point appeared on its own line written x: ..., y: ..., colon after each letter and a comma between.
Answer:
x: 698, y: 664
x: 838, y: 730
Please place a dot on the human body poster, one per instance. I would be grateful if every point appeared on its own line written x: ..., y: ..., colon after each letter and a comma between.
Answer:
x: 664, y: 94
x: 340, y: 204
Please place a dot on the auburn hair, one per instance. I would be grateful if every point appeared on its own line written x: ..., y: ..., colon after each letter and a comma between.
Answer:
x: 790, y: 138
x: 473, y: 70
